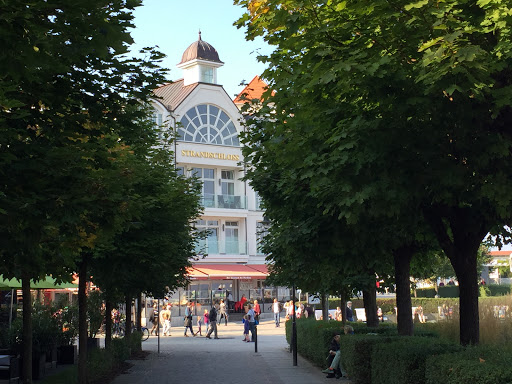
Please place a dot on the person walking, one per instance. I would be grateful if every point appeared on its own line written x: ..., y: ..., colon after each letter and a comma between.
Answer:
x: 212, y: 317
x: 251, y: 316
x: 166, y: 316
x: 153, y: 315
x: 349, y: 312
x: 199, y: 323
x: 223, y: 312
x: 257, y: 309
x: 276, y: 308
x: 188, y: 320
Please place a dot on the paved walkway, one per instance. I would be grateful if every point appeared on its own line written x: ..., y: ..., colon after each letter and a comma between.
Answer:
x: 227, y: 360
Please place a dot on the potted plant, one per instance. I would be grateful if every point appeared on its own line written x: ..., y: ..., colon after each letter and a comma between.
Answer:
x: 95, y: 315
x: 67, y: 352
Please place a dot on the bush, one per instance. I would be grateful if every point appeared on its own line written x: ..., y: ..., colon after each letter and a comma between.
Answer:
x: 356, y: 353
x: 475, y: 365
x: 498, y: 290
x: 403, y: 360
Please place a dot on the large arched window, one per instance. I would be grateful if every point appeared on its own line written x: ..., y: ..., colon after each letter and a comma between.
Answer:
x: 208, y: 124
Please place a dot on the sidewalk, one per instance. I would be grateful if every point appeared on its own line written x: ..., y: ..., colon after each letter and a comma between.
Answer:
x: 226, y: 360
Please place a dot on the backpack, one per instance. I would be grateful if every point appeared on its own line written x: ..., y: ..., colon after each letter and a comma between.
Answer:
x: 212, y: 316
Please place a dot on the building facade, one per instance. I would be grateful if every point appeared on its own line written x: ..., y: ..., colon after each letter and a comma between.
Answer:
x: 207, y: 123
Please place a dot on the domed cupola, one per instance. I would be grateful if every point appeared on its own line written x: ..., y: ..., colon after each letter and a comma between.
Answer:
x: 199, y: 63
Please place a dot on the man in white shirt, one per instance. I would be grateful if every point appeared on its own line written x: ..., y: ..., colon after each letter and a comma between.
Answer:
x: 251, y: 316
x: 276, y: 307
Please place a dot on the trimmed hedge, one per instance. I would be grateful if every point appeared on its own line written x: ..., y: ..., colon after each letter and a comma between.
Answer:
x: 475, y: 365
x: 402, y: 361
x: 356, y: 355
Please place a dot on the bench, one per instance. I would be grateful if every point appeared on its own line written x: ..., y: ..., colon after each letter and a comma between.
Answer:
x: 9, y: 369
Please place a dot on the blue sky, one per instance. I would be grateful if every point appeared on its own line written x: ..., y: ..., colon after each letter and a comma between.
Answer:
x: 173, y: 25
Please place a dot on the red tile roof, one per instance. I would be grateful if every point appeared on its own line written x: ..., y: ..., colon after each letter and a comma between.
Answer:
x: 253, y: 90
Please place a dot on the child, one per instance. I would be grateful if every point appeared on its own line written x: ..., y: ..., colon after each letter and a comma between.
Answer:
x: 246, y: 329
x: 199, y: 322
x: 206, y: 318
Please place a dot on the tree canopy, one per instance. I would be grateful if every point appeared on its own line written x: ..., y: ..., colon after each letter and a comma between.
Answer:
x: 397, y: 109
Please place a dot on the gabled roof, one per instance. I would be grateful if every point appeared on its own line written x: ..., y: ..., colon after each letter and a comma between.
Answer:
x: 172, y: 95
x: 253, y: 90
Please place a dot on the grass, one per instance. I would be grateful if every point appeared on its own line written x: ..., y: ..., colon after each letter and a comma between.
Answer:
x: 493, y: 330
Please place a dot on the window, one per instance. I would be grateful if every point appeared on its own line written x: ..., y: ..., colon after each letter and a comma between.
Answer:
x: 232, y: 246
x: 207, y: 75
x: 211, y: 229
x: 207, y: 176
x: 261, y: 232
x: 157, y: 119
x: 180, y: 171
x: 208, y: 124
x: 228, y: 183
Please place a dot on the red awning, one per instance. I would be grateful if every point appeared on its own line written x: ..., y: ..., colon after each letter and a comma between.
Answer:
x: 227, y: 272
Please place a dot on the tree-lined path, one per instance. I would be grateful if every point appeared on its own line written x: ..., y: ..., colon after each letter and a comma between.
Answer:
x: 227, y: 360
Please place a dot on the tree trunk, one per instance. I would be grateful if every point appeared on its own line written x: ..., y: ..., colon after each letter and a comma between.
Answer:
x: 325, y: 307
x: 343, y: 305
x: 82, y: 322
x: 465, y: 266
x: 128, y: 325
x: 370, y: 306
x: 27, y: 329
x: 138, y: 320
x: 108, y: 323
x: 402, y: 259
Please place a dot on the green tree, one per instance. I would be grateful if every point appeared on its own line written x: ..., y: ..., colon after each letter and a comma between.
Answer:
x: 66, y: 97
x: 409, y: 94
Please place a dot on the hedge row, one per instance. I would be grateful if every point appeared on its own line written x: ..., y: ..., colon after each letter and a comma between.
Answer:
x: 453, y: 291
x: 380, y: 356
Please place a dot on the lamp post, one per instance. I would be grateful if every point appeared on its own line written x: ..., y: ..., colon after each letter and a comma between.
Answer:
x: 294, y: 329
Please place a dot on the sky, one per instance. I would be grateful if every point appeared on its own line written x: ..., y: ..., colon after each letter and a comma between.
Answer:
x: 173, y: 25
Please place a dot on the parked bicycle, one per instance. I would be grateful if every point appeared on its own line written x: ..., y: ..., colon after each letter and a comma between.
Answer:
x: 118, y: 330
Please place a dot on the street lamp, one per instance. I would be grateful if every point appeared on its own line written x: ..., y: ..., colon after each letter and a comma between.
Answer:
x: 294, y: 329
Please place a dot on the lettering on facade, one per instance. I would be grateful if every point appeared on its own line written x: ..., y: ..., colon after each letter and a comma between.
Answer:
x: 209, y: 155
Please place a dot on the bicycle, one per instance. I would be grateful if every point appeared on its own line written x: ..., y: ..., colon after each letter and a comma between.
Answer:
x: 119, y: 331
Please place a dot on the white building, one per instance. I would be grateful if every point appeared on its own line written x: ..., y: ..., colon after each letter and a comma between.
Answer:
x: 208, y: 124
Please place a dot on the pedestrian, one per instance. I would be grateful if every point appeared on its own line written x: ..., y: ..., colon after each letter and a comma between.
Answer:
x: 337, y: 314
x: 257, y: 310
x: 223, y: 312
x: 251, y: 316
x: 246, y: 329
x: 276, y: 308
x: 349, y: 312
x: 205, y: 319
x: 166, y: 316
x: 212, y: 317
x: 188, y: 320
x: 153, y: 315
x: 199, y: 323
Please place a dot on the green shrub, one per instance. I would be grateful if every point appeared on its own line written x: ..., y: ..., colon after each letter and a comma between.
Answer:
x: 475, y: 365
x: 498, y: 290
x: 120, y: 349
x: 402, y: 361
x: 356, y: 353
x: 135, y: 341
x: 425, y: 292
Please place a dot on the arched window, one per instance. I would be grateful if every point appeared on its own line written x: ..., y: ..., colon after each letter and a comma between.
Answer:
x: 208, y: 124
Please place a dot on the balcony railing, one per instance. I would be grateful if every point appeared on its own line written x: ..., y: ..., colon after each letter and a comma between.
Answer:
x: 228, y: 247
x: 224, y: 201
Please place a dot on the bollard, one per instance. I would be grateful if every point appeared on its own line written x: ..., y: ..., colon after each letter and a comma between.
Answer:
x: 256, y: 339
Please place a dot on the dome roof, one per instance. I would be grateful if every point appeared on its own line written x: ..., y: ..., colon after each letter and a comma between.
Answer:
x: 200, y: 50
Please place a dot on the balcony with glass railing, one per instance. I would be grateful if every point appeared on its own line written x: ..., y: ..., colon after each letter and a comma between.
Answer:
x: 224, y: 201
x: 228, y: 247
